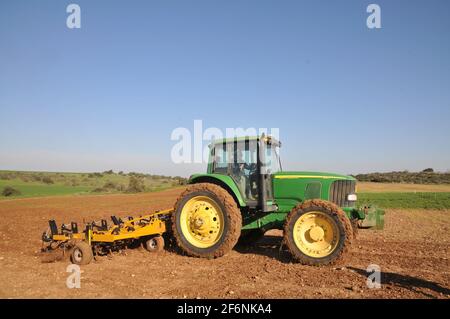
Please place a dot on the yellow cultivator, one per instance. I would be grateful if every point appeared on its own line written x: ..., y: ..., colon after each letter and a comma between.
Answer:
x: 100, y: 239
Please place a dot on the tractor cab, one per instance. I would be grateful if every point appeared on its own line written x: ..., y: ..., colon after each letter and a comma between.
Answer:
x: 250, y: 162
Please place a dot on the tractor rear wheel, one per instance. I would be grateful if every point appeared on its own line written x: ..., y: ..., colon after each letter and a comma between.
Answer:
x: 81, y: 253
x: 206, y: 221
x: 318, y: 232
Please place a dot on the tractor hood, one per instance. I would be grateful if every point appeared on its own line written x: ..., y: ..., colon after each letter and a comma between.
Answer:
x: 311, y: 175
x: 291, y: 188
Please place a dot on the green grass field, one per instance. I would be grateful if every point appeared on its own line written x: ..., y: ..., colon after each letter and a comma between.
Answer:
x: 36, y: 184
x: 36, y: 190
x: 425, y: 200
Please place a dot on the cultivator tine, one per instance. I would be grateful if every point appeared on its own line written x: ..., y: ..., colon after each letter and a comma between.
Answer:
x: 53, y: 227
x: 88, y: 233
x: 45, y: 238
x: 104, y: 225
x: 115, y: 220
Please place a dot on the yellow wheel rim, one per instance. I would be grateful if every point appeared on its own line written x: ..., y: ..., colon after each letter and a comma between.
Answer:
x: 316, y: 234
x: 202, y: 221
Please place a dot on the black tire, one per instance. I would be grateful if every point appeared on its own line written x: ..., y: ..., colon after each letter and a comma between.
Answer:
x: 81, y: 253
x: 250, y: 236
x: 232, y: 221
x: 345, y: 232
x: 154, y: 244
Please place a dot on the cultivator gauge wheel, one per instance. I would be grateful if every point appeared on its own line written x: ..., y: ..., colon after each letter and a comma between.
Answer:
x: 81, y: 253
x: 154, y: 244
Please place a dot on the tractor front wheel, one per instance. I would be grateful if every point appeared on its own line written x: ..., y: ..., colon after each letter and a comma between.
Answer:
x: 207, y: 221
x: 318, y: 232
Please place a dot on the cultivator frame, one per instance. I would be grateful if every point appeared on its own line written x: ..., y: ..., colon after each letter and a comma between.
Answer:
x: 97, y: 238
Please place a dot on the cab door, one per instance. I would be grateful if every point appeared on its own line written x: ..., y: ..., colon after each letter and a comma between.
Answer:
x: 268, y: 165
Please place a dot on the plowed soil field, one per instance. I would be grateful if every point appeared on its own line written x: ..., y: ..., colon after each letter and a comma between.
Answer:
x: 412, y: 251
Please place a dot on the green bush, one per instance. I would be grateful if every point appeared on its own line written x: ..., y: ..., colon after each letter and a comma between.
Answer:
x: 73, y: 182
x: 47, y: 180
x: 135, y: 185
x: 98, y: 190
x: 25, y: 178
x: 5, y: 176
x: 140, y: 175
x: 10, y: 191
x: 180, y: 180
x: 107, y: 187
x: 36, y: 177
x: 110, y: 185
x: 95, y: 175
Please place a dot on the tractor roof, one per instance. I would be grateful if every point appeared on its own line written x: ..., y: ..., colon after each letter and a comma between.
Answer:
x: 268, y: 139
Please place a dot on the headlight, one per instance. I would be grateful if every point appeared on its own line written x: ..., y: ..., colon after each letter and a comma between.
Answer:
x: 352, y: 197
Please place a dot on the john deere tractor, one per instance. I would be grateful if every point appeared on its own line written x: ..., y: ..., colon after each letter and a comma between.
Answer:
x: 245, y: 193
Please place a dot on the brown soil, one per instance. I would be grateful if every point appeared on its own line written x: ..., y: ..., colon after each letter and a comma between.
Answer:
x: 413, y: 252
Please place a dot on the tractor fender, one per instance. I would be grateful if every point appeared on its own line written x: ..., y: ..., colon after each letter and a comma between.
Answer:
x: 223, y: 181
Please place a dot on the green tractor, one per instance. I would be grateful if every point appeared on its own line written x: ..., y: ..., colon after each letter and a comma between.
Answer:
x: 245, y: 193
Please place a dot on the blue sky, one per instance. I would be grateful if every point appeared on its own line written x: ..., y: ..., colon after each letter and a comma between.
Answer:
x: 345, y: 98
